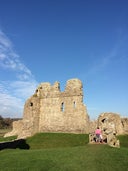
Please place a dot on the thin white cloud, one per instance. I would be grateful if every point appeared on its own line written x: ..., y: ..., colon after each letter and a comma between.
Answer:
x: 103, y: 62
x: 13, y: 96
x: 10, y: 106
x: 9, y: 59
x: 4, y: 41
x: 14, y: 93
x: 23, y: 89
x: 117, y: 54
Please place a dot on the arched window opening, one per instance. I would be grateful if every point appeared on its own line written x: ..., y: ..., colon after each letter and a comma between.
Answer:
x: 31, y: 104
x: 74, y: 104
x: 62, y: 106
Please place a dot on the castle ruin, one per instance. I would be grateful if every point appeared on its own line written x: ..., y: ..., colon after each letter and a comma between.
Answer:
x: 50, y: 110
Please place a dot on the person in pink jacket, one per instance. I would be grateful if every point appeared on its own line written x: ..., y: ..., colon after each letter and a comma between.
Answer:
x: 98, y: 135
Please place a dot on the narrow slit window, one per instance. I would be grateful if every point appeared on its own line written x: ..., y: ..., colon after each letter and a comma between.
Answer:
x: 74, y: 104
x: 62, y: 107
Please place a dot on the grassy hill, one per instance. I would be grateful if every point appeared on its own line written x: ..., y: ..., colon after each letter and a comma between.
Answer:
x: 56, y: 140
x: 65, y: 152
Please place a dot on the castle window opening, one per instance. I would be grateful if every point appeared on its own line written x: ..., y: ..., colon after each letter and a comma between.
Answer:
x: 74, y: 104
x: 104, y: 120
x: 31, y: 104
x: 62, y: 106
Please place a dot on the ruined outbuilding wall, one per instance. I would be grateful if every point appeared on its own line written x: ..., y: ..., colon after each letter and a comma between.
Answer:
x: 125, y: 125
x: 110, y: 122
x: 111, y: 125
x: 50, y: 110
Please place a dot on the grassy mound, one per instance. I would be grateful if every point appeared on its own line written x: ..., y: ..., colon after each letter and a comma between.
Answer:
x: 55, y: 140
x: 7, y: 138
x: 64, y: 152
x: 123, y: 140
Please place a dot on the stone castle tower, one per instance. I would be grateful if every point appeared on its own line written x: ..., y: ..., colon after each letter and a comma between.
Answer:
x: 50, y: 110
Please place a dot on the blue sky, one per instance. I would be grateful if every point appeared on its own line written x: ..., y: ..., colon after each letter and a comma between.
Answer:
x: 48, y: 41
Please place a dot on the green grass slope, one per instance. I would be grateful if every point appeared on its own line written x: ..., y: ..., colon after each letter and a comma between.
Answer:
x: 55, y: 140
x: 64, y: 152
x: 123, y: 140
x: 81, y: 158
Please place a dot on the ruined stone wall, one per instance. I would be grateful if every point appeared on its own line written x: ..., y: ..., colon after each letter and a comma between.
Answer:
x: 92, y: 126
x: 50, y: 110
x: 110, y: 125
x: 125, y: 125
x: 62, y: 111
x: 110, y: 122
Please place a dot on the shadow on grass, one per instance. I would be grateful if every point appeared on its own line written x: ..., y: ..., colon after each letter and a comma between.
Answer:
x: 20, y: 143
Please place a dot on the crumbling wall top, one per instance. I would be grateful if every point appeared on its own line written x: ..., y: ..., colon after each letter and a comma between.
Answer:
x: 74, y: 84
x: 73, y: 87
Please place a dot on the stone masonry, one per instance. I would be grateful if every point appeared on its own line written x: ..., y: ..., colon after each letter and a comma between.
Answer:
x: 111, y: 125
x: 50, y: 110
